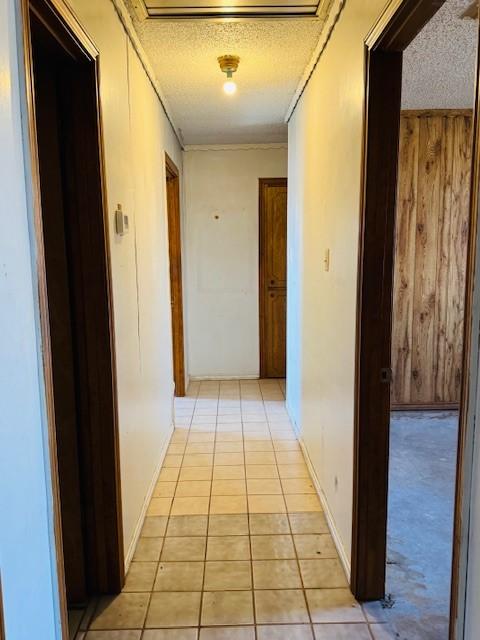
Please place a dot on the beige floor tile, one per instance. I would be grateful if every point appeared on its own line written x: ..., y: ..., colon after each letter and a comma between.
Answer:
x: 260, y: 434
x: 176, y: 448
x: 228, y: 504
x: 308, y: 523
x: 297, y: 503
x: 190, y: 506
x: 174, y: 609
x: 172, y: 461
x: 285, y: 445
x: 125, y: 611
x: 229, y: 473
x: 169, y: 475
x: 261, y: 471
x: 110, y: 635
x: 269, y: 486
x: 276, y: 547
x: 228, y: 576
x: 269, y: 523
x: 183, y: 548
x: 229, y: 436
x: 227, y: 607
x: 228, y: 633
x: 276, y: 574
x: 154, y: 526
x: 198, y: 460
x: 228, y: 459
x: 199, y: 447
x: 285, y: 632
x: 280, y: 606
x: 228, y: 525
x: 315, y: 546
x: 228, y: 548
x: 266, y: 504
x: 229, y: 447
x: 333, y: 605
x: 297, y: 486
x: 197, y: 436
x: 322, y: 574
x: 193, y: 488
x: 290, y: 457
x: 140, y: 576
x: 293, y: 471
x: 164, y: 490
x: 259, y: 457
x: 258, y: 445
x: 195, y: 473
x: 179, y: 576
x: 188, y: 525
x: 148, y: 549
x: 228, y: 488
x: 159, y: 506
x: 170, y: 634
x: 343, y: 632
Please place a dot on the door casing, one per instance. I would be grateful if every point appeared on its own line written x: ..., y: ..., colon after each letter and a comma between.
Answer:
x: 396, y: 28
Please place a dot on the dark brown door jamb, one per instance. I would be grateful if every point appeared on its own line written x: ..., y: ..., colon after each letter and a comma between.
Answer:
x: 396, y: 28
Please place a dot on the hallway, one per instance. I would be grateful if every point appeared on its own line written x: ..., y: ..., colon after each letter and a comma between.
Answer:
x: 235, y: 544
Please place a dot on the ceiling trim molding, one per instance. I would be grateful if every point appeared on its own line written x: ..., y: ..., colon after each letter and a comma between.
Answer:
x: 332, y: 19
x: 236, y: 147
x: 127, y: 24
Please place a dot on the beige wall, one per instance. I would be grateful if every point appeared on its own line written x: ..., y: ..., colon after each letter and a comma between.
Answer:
x: 221, y: 255
x: 137, y: 134
x: 325, y: 135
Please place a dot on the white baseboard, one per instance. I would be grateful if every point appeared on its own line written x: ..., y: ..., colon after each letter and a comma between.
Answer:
x: 148, y: 497
x: 213, y: 378
x: 344, y: 559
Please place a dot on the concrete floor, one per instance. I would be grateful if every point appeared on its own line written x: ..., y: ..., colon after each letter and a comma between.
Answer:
x: 421, y: 501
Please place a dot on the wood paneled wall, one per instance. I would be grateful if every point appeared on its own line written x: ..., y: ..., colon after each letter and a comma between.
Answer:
x: 430, y: 258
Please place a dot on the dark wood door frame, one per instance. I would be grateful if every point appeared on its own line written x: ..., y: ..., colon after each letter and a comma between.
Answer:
x: 93, y: 284
x: 176, y: 284
x: 262, y: 267
x: 396, y: 28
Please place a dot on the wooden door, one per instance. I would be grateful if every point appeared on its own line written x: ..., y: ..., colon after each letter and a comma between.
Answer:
x: 176, y: 293
x: 273, y: 277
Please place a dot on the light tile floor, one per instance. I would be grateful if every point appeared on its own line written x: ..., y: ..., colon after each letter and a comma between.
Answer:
x: 235, y: 545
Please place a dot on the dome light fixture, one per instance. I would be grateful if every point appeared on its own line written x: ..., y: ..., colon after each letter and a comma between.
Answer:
x: 229, y: 65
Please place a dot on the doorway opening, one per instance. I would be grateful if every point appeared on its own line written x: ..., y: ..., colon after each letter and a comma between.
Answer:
x: 176, y: 287
x: 76, y: 306
x: 416, y: 219
x: 273, y: 276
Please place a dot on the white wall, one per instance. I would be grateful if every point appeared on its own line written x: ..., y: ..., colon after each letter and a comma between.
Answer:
x: 221, y: 256
x: 325, y: 136
x: 137, y: 134
x: 27, y: 563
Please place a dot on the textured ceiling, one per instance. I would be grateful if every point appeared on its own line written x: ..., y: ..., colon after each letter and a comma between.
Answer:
x: 439, y: 65
x: 273, y: 56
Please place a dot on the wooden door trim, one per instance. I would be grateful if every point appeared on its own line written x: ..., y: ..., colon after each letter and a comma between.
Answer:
x: 395, y: 29
x: 178, y: 339
x: 52, y: 10
x: 397, y: 26
x: 262, y: 183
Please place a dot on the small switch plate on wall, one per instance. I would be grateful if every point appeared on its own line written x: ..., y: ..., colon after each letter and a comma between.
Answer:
x: 121, y: 221
x: 326, y: 260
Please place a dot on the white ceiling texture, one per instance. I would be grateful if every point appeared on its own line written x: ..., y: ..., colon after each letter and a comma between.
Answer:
x: 439, y: 65
x: 275, y: 40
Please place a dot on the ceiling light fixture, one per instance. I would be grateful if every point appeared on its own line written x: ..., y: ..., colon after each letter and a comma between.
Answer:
x: 229, y: 65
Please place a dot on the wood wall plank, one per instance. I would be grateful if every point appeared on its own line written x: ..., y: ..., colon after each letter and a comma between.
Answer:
x: 430, y: 259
